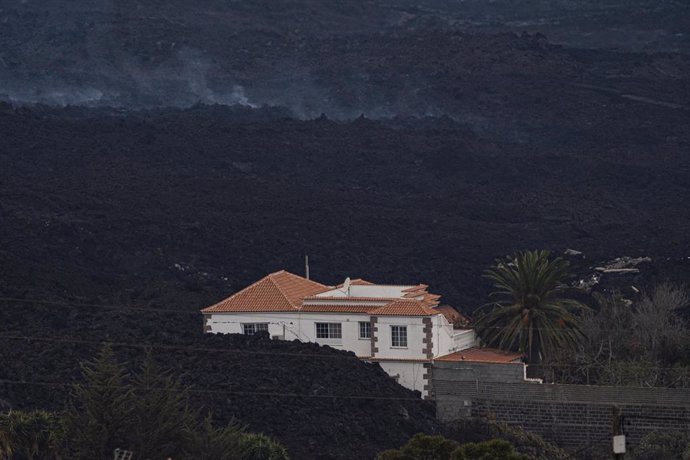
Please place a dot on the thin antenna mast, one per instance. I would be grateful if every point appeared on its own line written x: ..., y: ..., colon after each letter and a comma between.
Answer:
x: 306, y: 266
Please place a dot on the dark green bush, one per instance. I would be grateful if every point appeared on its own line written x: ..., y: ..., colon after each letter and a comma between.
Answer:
x: 425, y: 447
x: 669, y: 445
x: 530, y: 444
x: 207, y: 442
x: 393, y: 454
x: 31, y: 435
x: 496, y: 449
x: 261, y: 447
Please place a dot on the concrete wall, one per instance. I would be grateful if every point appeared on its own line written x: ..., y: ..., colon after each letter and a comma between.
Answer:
x: 463, y: 339
x: 408, y: 374
x: 443, y: 335
x: 572, y: 416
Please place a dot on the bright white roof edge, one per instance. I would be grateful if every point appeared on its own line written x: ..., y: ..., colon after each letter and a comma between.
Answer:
x: 368, y: 290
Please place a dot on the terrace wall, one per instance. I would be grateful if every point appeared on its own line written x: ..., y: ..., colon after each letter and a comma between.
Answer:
x: 572, y: 416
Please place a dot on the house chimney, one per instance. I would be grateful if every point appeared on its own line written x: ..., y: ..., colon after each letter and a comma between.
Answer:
x: 306, y: 266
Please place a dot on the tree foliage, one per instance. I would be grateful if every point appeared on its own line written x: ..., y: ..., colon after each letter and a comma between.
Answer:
x: 30, y: 435
x: 207, y: 442
x: 101, y: 408
x: 642, y: 342
x: 422, y: 447
x: 160, y: 412
x: 148, y: 413
x: 525, y: 442
x: 495, y: 449
x: 667, y: 445
x: 261, y: 447
x: 427, y: 447
x: 530, y: 313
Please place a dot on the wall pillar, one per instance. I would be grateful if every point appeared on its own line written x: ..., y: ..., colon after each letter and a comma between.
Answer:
x: 428, y: 339
x: 428, y: 380
x: 374, y: 336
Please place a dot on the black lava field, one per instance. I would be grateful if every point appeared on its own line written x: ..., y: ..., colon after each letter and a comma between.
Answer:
x: 410, y: 150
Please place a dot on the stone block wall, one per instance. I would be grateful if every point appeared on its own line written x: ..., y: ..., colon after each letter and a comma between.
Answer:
x: 572, y: 416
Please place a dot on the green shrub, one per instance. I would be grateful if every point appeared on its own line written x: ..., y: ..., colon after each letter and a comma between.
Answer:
x: 425, y: 447
x: 31, y: 435
x: 657, y: 445
x: 261, y: 447
x: 530, y: 444
x: 206, y: 442
x: 496, y: 449
x: 393, y: 454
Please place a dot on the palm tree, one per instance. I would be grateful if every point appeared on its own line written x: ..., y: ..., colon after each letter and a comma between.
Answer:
x: 530, y: 313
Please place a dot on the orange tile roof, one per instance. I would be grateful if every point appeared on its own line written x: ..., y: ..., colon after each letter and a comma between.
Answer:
x: 361, y: 282
x: 452, y: 315
x: 356, y: 282
x: 405, y: 308
x: 285, y: 292
x: 279, y: 291
x: 416, y: 288
x: 338, y: 308
x: 351, y: 299
x: 481, y: 355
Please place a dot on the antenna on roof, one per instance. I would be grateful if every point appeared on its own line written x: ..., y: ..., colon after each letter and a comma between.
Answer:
x: 346, y: 285
x: 306, y: 267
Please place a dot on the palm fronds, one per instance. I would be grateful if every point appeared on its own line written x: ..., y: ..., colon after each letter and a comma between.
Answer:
x: 529, y: 313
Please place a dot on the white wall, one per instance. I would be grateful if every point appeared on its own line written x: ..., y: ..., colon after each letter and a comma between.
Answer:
x: 298, y: 325
x: 301, y: 326
x: 443, y: 336
x: 408, y: 374
x: 464, y: 339
x: 415, y: 335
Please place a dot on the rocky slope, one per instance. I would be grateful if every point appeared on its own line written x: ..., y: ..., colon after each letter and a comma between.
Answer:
x: 319, y: 402
x: 181, y: 207
x: 382, y: 58
x: 473, y: 146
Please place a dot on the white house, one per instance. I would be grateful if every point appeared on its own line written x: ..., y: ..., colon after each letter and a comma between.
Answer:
x: 403, y: 328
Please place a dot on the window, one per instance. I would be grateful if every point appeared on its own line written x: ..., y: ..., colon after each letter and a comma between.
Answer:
x: 399, y: 336
x: 364, y: 330
x: 253, y: 328
x: 329, y: 331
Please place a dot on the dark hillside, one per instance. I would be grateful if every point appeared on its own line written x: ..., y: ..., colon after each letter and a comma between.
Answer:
x: 340, y: 58
x: 179, y: 208
x: 143, y: 218
x: 320, y: 403
x: 120, y: 223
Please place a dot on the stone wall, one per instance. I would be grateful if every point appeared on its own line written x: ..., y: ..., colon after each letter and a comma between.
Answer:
x: 572, y: 416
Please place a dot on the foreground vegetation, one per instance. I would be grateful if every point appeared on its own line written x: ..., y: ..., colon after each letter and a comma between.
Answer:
x: 423, y: 447
x: 147, y: 413
x: 643, y: 341
x: 476, y: 440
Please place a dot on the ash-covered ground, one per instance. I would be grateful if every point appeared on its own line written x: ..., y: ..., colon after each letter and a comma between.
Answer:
x: 183, y: 156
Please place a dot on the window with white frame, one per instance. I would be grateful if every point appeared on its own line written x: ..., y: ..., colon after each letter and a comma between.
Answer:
x: 253, y: 328
x: 329, y: 331
x: 364, y: 330
x: 399, y: 336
